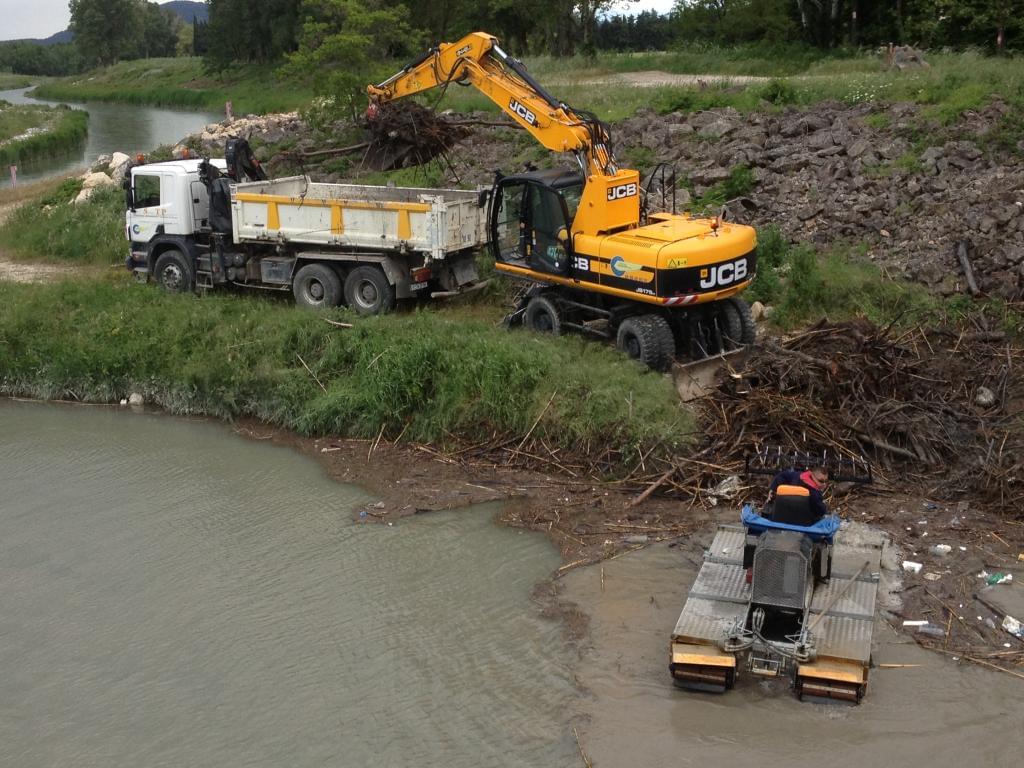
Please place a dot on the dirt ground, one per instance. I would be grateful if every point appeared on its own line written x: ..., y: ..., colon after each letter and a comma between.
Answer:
x: 656, y: 78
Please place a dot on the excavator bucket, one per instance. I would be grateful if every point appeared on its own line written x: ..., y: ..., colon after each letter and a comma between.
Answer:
x: 695, y: 379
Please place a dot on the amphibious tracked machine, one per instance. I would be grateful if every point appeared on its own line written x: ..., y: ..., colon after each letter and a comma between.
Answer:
x: 596, y: 260
x: 781, y: 596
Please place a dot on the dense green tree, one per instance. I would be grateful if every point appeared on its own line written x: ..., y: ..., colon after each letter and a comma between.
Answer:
x: 251, y: 30
x: 343, y: 45
x: 25, y: 58
x: 105, y: 29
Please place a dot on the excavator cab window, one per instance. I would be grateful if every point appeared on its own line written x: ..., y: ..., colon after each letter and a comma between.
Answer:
x: 530, y: 224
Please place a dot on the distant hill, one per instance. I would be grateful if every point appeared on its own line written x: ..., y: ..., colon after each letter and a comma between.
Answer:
x: 188, y: 11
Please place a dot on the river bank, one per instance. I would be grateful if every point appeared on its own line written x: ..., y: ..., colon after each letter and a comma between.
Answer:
x: 28, y: 133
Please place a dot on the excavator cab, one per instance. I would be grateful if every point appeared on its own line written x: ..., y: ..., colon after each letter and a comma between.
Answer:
x: 531, y: 220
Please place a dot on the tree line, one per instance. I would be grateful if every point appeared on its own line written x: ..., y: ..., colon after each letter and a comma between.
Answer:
x: 248, y: 30
x: 268, y: 31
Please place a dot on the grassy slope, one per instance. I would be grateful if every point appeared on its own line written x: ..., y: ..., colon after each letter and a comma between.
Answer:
x: 230, y: 356
x: 181, y: 83
x: 64, y: 129
x: 9, y: 82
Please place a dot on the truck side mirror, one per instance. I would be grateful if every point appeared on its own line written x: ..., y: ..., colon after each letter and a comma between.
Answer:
x: 129, y: 195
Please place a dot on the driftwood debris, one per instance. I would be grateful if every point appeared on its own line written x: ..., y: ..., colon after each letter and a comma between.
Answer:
x: 965, y: 263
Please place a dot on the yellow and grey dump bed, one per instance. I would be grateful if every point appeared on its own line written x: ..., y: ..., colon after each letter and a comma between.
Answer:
x: 720, y: 597
x: 298, y: 210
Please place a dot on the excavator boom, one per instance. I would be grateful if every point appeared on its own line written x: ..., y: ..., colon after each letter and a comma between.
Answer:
x: 611, y: 199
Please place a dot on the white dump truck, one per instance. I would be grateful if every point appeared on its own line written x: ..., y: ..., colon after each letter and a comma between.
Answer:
x: 195, y: 224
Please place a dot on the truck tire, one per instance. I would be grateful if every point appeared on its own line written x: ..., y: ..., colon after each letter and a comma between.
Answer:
x: 648, y: 340
x: 748, y: 334
x: 173, y: 272
x: 542, y: 316
x: 317, y: 286
x: 368, y: 291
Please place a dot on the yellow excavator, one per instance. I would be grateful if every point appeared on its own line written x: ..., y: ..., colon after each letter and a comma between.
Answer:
x: 596, y: 258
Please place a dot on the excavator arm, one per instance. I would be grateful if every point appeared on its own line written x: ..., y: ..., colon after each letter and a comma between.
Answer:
x: 610, y: 199
x: 477, y: 59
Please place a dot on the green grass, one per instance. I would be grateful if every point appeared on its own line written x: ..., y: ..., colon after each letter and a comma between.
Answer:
x: 50, y: 229
x: 433, y: 376
x: 8, y: 81
x: 16, y: 120
x: 750, y: 60
x: 182, y: 82
x: 803, y: 285
x: 63, y: 129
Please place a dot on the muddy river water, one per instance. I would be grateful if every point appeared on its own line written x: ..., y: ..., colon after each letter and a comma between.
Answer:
x: 172, y: 594
x: 934, y: 714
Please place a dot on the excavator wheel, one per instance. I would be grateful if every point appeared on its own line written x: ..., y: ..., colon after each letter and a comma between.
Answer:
x: 730, y: 324
x: 543, y: 316
x: 647, y: 339
x: 748, y: 328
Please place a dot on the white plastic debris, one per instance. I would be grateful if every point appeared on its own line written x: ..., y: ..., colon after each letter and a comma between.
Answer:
x: 1013, y: 626
x: 914, y: 623
x: 911, y: 567
x: 941, y: 549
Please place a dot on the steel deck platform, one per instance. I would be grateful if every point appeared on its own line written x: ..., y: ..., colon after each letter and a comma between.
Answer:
x: 720, y: 594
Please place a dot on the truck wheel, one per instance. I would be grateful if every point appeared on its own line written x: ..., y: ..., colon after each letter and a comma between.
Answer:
x: 648, y: 340
x: 317, y: 286
x: 368, y: 291
x: 749, y: 327
x: 173, y: 272
x: 542, y: 316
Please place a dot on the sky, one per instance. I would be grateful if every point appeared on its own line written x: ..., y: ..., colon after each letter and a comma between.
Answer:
x: 42, y: 18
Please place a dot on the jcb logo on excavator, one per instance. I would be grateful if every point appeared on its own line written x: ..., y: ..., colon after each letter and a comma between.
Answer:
x: 621, y: 191
x: 723, y: 274
x: 523, y: 112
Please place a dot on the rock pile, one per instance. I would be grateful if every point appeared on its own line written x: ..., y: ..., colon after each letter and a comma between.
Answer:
x: 107, y: 171
x: 270, y: 129
x: 829, y: 174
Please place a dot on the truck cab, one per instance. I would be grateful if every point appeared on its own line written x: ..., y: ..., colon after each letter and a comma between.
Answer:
x: 167, y: 207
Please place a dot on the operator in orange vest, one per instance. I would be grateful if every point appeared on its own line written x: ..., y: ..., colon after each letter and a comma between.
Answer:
x: 801, y: 495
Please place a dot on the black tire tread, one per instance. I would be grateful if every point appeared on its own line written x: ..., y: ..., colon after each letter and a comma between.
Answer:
x: 385, y: 289
x: 657, y: 344
x: 537, y: 306
x: 326, y: 276
x: 749, y: 328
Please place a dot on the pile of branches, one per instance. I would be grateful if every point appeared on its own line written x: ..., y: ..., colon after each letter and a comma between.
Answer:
x: 928, y: 404
x: 404, y: 133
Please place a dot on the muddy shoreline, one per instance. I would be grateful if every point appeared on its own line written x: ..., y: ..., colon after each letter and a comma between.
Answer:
x: 595, y: 523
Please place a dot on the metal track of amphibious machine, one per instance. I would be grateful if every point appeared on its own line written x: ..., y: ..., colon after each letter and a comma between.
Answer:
x: 712, y: 642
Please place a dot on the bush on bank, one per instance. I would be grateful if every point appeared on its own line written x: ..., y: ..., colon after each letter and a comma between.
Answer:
x: 430, y: 376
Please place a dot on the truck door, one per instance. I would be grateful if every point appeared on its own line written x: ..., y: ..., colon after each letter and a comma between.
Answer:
x: 151, y: 201
x: 200, y: 205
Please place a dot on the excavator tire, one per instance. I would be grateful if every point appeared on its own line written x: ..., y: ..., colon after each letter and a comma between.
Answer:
x: 730, y: 324
x: 749, y: 328
x: 542, y: 316
x: 648, y: 340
